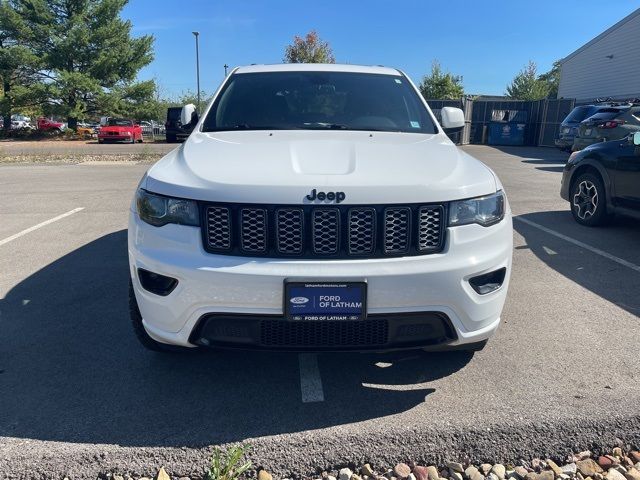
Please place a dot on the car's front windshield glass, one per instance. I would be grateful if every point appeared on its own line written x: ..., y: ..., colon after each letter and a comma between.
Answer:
x: 320, y: 101
x: 119, y: 122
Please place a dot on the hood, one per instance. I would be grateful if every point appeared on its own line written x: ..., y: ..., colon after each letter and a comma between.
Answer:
x: 283, y: 167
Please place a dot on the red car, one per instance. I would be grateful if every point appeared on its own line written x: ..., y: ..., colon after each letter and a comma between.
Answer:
x: 46, y: 125
x: 120, y: 129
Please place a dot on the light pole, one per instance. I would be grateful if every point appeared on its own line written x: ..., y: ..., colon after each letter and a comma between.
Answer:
x: 197, y: 35
x: 225, y: 69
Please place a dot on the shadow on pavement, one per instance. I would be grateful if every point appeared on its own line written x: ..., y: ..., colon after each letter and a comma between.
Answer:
x: 71, y: 370
x: 608, y: 279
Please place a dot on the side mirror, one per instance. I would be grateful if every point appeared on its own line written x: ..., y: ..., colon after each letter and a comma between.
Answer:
x: 452, y: 119
x: 636, y: 139
x: 188, y: 115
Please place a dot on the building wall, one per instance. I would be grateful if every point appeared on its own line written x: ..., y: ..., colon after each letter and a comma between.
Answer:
x: 587, y: 73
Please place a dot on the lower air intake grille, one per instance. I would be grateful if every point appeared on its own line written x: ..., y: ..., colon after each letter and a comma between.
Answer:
x: 364, y: 333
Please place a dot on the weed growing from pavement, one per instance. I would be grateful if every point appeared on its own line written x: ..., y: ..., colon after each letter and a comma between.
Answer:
x: 228, y: 465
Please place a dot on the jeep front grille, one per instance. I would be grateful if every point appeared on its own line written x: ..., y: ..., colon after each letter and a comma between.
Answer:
x: 313, y: 231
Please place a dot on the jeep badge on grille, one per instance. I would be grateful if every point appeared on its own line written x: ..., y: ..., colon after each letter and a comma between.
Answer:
x: 322, y: 196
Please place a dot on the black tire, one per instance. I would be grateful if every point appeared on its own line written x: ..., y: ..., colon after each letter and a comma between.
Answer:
x: 588, y: 200
x: 144, y: 338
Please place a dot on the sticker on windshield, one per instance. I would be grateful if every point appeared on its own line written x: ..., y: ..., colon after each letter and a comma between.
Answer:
x: 398, y: 80
x: 415, y: 124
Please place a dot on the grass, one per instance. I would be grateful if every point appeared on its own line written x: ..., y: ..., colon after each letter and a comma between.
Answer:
x: 229, y: 464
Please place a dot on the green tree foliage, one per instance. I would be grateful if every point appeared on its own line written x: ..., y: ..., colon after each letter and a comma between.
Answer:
x: 526, y: 85
x: 20, y: 84
x: 89, y: 60
x: 552, y: 79
x: 441, y: 85
x: 310, y: 49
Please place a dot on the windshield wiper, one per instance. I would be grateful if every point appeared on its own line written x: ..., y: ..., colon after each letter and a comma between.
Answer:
x: 328, y: 126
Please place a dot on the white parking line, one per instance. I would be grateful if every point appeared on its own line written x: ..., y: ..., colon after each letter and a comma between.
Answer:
x: 40, y: 225
x: 595, y: 250
x: 310, y: 381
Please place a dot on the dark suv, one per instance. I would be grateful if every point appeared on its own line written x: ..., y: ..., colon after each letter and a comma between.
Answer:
x: 174, y: 130
x: 603, y: 179
x: 610, y: 123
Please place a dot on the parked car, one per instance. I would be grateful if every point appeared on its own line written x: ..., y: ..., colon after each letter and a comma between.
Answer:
x: 45, y: 125
x: 120, y: 129
x: 603, y: 179
x: 175, y: 130
x: 319, y: 207
x: 610, y: 123
x: 569, y: 126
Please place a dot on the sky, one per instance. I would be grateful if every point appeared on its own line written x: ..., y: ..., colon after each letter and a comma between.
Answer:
x: 486, y: 42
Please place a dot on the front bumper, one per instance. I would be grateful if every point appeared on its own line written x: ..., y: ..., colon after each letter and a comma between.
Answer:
x: 429, y: 295
x: 115, y: 138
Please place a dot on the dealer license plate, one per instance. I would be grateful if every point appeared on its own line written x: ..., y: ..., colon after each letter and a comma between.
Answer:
x: 325, y: 300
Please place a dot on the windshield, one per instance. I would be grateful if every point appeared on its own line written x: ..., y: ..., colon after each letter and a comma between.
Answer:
x: 318, y: 100
x: 119, y: 122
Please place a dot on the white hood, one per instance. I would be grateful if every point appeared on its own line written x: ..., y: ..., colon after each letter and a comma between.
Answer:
x: 282, y: 167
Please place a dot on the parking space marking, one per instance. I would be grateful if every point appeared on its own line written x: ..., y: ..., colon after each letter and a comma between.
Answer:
x: 580, y: 244
x: 310, y: 381
x: 40, y: 225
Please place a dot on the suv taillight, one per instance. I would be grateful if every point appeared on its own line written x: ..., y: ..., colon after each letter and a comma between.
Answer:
x: 611, y: 124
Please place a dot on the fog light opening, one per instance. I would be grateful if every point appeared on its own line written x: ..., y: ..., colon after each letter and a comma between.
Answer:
x: 488, y: 282
x: 156, y: 283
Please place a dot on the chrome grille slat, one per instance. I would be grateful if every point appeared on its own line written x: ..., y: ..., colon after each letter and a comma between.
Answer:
x: 324, y: 231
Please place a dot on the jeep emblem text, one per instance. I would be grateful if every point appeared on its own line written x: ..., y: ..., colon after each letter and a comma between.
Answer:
x: 322, y: 196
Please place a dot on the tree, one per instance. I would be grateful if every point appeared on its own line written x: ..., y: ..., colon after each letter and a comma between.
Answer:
x: 87, y: 51
x: 552, y: 79
x: 310, y: 49
x: 441, y: 85
x: 19, y: 78
x: 527, y: 86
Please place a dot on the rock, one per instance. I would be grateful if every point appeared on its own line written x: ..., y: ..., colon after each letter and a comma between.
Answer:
x: 531, y: 476
x: 455, y: 466
x: 614, y: 474
x: 617, y: 452
x: 184, y: 478
x: 564, y: 476
x: 588, y: 467
x: 546, y: 475
x: 605, y: 462
x: 116, y: 477
x: 553, y: 466
x: 584, y: 455
x: 432, y: 472
x: 520, y: 472
x: 444, y: 473
x: 598, y: 476
x: 330, y: 477
x: 163, y: 475
x: 410, y: 477
x: 492, y: 476
x: 485, y: 468
x: 344, y: 474
x: 367, y: 470
x: 620, y: 469
x: 569, y: 469
x: 355, y: 476
x: 499, y: 470
x: 632, y: 474
x: 456, y: 475
x: 421, y: 473
x: 473, y: 473
x: 536, y: 464
x: 264, y: 475
x: 401, y: 470
x: 635, y: 456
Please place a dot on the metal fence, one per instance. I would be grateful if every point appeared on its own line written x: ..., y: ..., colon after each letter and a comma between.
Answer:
x: 542, y: 118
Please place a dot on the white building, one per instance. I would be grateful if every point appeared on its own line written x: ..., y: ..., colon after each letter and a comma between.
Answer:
x: 607, y: 66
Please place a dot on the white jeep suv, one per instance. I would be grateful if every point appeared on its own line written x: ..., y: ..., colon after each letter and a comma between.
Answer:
x: 319, y: 207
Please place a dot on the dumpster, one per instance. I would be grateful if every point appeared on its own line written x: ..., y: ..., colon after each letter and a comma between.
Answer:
x: 507, y: 127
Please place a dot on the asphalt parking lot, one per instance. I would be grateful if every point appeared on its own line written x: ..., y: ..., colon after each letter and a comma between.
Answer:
x: 80, y: 396
x: 80, y: 147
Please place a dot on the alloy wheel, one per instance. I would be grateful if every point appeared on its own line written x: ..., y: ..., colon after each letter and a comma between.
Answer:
x: 585, y: 200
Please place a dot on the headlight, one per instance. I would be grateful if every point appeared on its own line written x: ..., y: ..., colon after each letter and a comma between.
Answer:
x: 158, y: 210
x: 484, y: 211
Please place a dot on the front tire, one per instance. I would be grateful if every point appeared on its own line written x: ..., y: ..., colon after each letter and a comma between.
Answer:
x: 588, y: 200
x: 142, y: 335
